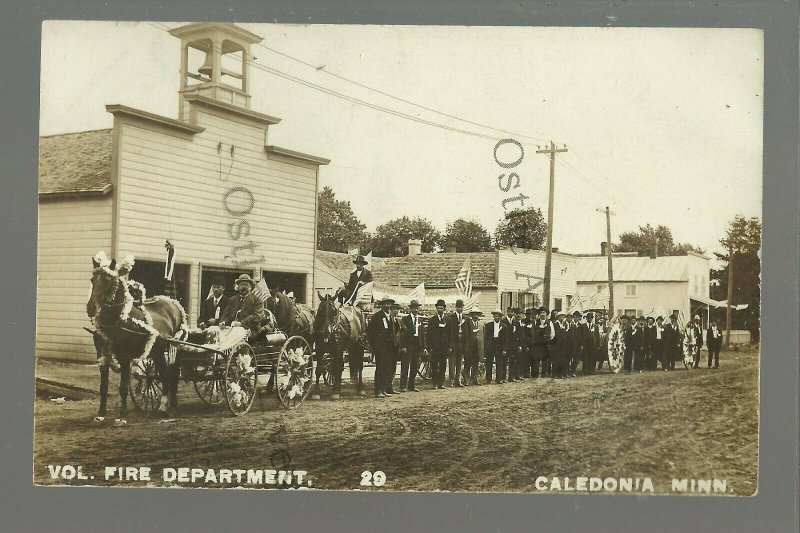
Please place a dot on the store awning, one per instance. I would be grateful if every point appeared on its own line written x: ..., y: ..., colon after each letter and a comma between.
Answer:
x: 716, y: 303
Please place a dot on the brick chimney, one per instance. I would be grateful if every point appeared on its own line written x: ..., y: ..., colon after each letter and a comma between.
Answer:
x: 352, y: 249
x: 603, y: 248
x: 555, y: 250
x: 414, y: 246
x: 654, y: 251
x: 451, y: 247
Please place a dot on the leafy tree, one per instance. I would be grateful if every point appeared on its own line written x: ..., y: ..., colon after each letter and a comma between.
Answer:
x: 522, y: 228
x: 391, y: 238
x: 644, y: 241
x: 743, y: 240
x: 337, y: 225
x: 467, y: 235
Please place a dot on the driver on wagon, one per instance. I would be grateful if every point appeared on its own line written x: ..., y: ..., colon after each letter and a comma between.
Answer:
x: 245, y: 310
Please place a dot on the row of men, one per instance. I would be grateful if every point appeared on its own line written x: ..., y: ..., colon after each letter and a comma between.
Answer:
x: 519, y: 346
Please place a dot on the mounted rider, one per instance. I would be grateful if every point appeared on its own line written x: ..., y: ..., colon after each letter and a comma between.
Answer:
x: 358, y: 278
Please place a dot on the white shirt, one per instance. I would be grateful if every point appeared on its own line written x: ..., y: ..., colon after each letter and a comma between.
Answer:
x: 496, y: 329
x: 415, y: 321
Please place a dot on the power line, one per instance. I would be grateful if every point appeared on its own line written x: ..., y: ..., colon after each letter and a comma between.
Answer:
x: 276, y: 72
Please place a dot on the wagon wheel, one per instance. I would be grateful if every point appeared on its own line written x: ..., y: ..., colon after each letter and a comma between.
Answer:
x: 615, y: 355
x: 212, y: 389
x: 688, y: 357
x: 241, y: 378
x: 145, y: 385
x: 295, y: 372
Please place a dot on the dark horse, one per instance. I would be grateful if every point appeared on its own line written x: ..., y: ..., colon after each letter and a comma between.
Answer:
x: 130, y: 331
x: 338, y: 329
x: 291, y: 318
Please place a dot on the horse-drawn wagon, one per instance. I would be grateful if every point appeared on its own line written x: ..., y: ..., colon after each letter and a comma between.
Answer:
x: 231, y: 369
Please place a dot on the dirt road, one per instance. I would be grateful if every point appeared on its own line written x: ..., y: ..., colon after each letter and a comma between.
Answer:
x: 684, y: 424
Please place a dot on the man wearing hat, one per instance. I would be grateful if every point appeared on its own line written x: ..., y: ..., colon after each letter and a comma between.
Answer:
x: 495, y: 344
x: 245, y: 310
x: 360, y: 276
x: 713, y: 343
x: 573, y: 344
x: 659, y: 344
x: 559, y: 350
x: 459, y: 331
x: 697, y: 337
x: 437, y: 339
x: 214, y: 305
x: 472, y: 358
x: 543, y: 333
x: 412, y: 346
x: 382, y: 334
x: 673, y: 340
x: 526, y: 366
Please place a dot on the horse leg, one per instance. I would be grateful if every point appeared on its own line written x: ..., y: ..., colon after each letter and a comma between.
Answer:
x: 162, y: 370
x: 356, y: 361
x: 338, y: 368
x: 317, y: 374
x: 124, y: 384
x: 173, y: 375
x: 101, y: 415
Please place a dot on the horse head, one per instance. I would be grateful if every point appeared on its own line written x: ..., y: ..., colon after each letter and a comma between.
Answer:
x: 108, y: 288
x: 326, y: 317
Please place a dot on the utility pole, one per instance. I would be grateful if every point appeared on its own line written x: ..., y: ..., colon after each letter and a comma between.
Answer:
x: 551, y: 151
x: 730, y: 297
x: 610, y: 267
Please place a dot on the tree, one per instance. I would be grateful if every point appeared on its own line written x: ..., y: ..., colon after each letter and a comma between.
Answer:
x: 522, y: 228
x: 645, y: 240
x: 743, y: 239
x: 467, y: 236
x: 337, y: 225
x: 391, y: 239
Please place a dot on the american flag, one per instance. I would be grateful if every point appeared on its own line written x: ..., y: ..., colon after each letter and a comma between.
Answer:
x: 599, y: 299
x: 261, y: 290
x: 577, y: 301
x: 418, y: 293
x: 464, y: 279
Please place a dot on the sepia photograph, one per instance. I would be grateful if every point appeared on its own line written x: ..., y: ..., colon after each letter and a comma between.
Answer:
x: 399, y: 258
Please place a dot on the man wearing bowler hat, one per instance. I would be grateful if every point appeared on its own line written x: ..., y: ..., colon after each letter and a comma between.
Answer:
x: 495, y: 343
x: 412, y: 346
x: 437, y: 339
x: 359, y: 277
x: 214, y: 305
x: 382, y: 333
x: 474, y: 345
x: 459, y: 331
x: 245, y: 310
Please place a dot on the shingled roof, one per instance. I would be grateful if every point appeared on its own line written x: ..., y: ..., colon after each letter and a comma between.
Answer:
x: 438, y: 270
x: 340, y: 264
x: 75, y: 163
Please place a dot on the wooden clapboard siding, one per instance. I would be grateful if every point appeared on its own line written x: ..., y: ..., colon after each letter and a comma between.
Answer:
x: 532, y: 262
x: 174, y: 187
x: 70, y: 233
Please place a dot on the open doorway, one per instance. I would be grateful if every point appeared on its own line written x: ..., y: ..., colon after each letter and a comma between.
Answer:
x: 151, y: 275
x: 287, y: 282
x: 227, y: 275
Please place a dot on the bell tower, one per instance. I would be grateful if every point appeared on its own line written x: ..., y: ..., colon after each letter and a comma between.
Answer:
x: 224, y: 73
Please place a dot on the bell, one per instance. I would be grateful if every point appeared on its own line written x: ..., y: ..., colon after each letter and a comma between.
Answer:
x: 206, y: 68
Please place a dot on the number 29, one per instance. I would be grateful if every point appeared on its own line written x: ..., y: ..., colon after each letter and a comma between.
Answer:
x: 369, y: 479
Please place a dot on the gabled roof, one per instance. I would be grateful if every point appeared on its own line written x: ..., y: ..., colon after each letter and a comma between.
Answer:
x: 667, y: 268
x: 340, y: 264
x: 438, y: 269
x: 75, y: 163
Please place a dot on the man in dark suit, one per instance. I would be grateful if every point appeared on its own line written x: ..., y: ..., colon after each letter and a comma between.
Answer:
x: 437, y: 339
x: 573, y: 347
x: 474, y: 345
x: 459, y: 331
x: 659, y: 343
x: 627, y: 337
x: 650, y: 344
x: 697, y: 325
x: 527, y: 347
x: 214, y: 305
x: 245, y: 310
x: 382, y: 333
x: 514, y: 349
x: 673, y: 340
x: 360, y: 276
x: 560, y: 349
x: 637, y: 342
x: 495, y: 343
x: 543, y: 333
x: 713, y: 343
x: 412, y: 346
x: 586, y: 341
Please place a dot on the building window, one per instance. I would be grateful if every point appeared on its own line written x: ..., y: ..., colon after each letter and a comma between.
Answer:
x: 630, y: 312
x: 600, y: 288
x: 569, y: 301
x: 630, y: 290
x: 558, y: 304
x: 151, y: 275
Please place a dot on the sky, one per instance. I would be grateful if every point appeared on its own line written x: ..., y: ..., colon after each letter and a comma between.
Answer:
x: 663, y: 125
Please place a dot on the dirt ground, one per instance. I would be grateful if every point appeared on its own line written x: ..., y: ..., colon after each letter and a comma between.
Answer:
x: 700, y: 424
